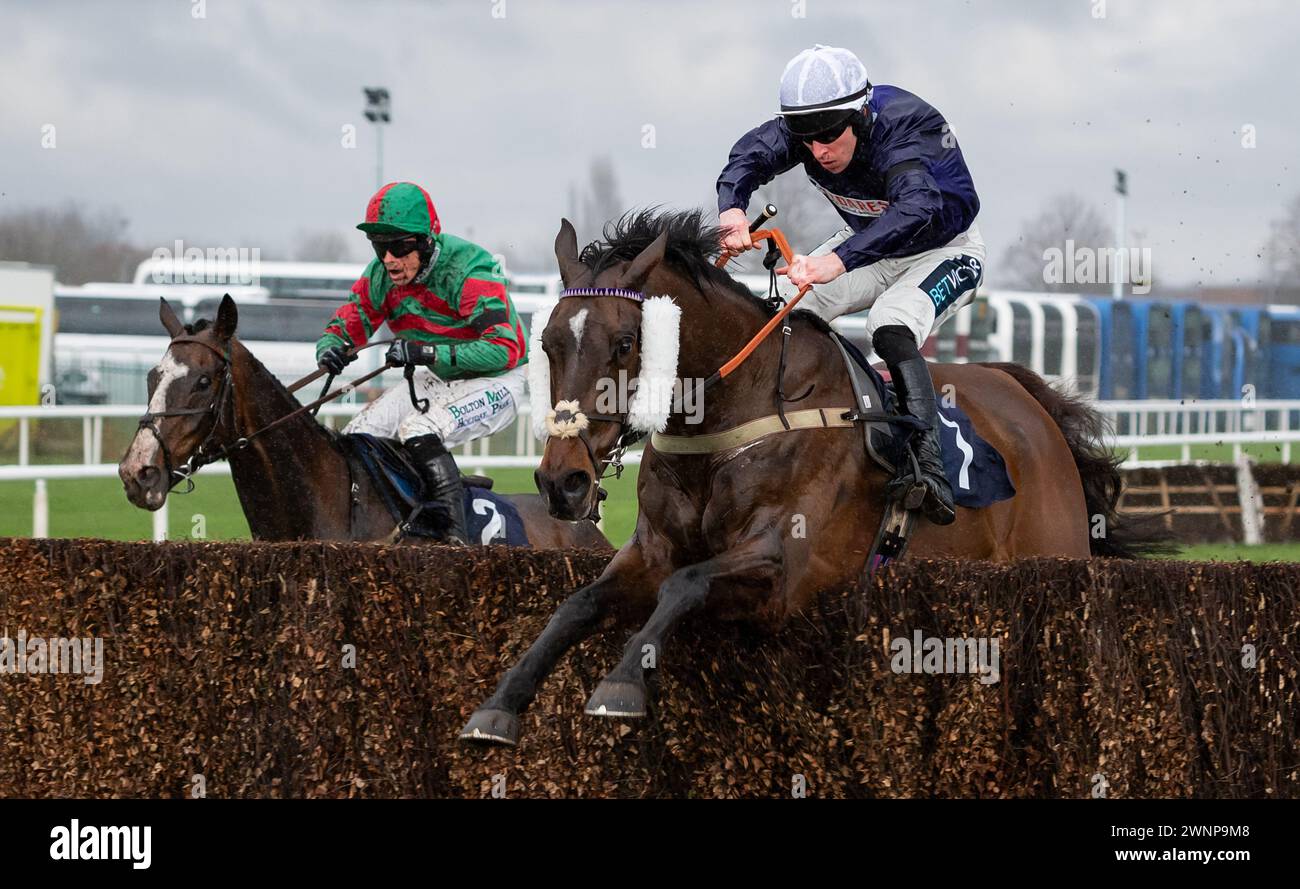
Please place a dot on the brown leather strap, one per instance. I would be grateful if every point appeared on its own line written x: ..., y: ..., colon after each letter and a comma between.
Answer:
x: 320, y: 371
x: 330, y: 396
x: 713, y: 442
x: 777, y: 237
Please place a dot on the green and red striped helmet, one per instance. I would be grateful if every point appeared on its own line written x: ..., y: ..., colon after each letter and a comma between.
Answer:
x: 401, y: 208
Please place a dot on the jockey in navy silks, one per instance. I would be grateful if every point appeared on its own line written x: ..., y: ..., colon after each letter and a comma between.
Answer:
x: 910, y: 250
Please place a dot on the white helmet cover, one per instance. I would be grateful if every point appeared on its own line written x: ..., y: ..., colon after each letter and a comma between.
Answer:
x: 824, y: 78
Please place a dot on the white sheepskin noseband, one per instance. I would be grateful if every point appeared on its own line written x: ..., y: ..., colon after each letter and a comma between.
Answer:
x: 661, y: 341
x: 651, y: 403
x: 539, y: 371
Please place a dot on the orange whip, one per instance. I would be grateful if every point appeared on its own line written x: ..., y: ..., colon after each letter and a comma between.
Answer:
x: 777, y: 237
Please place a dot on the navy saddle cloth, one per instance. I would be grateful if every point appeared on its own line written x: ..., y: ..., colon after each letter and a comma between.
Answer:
x: 489, y: 516
x: 975, y: 470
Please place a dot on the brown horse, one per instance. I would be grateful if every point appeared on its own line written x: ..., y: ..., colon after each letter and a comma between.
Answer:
x: 754, y: 532
x: 294, y: 482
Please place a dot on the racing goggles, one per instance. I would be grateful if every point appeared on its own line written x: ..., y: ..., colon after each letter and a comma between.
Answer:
x: 399, y: 246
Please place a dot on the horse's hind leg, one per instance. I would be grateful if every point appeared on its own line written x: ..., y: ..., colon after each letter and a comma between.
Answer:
x: 497, y: 719
x: 623, y: 691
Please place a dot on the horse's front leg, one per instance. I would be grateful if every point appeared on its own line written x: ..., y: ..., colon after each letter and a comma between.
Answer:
x: 623, y: 691
x: 497, y: 719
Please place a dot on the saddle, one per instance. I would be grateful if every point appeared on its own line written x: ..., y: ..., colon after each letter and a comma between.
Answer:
x: 975, y: 470
x: 876, y: 408
x: 491, y: 518
x: 875, y: 400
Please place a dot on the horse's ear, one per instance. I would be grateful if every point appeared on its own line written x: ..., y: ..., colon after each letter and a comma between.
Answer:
x: 635, y: 275
x: 572, y: 271
x: 167, y: 315
x: 227, y: 319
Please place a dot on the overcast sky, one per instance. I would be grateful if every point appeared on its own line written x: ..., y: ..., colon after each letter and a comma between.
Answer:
x: 227, y: 130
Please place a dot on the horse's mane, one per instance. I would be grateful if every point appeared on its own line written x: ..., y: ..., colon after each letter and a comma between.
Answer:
x: 280, y: 388
x: 692, y: 248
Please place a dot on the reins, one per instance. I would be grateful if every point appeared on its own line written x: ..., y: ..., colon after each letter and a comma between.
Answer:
x: 781, y: 245
x: 898, y: 519
x: 218, y: 407
x: 628, y: 437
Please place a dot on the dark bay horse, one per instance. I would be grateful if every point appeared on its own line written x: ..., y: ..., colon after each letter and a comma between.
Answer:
x: 755, y: 531
x: 294, y: 482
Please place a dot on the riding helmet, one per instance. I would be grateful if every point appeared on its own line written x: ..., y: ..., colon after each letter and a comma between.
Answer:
x: 822, y: 88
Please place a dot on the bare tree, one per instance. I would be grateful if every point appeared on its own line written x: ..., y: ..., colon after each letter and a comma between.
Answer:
x: 322, y: 246
x: 1067, y: 225
x: 1282, y: 253
x: 80, y: 245
x: 599, y: 202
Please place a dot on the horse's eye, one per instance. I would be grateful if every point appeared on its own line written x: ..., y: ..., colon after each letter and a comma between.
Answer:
x: 625, y: 345
x: 203, y: 383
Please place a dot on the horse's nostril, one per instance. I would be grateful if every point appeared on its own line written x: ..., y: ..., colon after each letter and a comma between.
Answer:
x: 577, y: 482
x: 147, y: 475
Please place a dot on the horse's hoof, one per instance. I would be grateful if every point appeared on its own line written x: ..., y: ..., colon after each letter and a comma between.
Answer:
x: 615, y: 697
x: 492, y: 727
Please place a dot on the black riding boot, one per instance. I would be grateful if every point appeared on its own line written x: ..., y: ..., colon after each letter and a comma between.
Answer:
x: 915, y: 389
x: 442, y: 481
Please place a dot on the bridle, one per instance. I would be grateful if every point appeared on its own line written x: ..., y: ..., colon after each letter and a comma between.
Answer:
x: 626, y: 435
x: 891, y: 540
x: 217, y: 409
x: 778, y: 246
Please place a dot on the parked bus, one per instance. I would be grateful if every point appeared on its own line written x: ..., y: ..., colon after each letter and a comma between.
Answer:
x: 107, y: 336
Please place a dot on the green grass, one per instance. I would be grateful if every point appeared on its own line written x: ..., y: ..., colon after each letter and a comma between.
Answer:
x: 98, y: 508
x: 1231, y: 552
x: 1262, y: 453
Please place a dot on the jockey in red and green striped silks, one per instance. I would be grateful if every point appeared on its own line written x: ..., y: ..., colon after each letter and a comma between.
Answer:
x: 445, y: 300
x: 447, y: 292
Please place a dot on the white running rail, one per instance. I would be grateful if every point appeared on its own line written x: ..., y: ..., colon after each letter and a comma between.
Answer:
x: 1134, y: 424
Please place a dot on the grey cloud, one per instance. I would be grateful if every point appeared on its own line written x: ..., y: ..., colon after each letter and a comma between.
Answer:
x: 228, y: 129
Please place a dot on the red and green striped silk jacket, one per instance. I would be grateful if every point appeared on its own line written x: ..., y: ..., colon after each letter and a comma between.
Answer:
x: 459, y: 304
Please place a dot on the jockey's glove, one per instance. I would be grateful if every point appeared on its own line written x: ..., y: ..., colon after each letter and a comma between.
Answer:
x: 335, y: 358
x: 403, y: 352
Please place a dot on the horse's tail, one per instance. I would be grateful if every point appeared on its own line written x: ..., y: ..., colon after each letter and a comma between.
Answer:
x: 1084, y: 429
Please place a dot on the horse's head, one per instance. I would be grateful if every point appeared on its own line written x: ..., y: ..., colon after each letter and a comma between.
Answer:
x: 188, y: 391
x: 602, y: 365
x: 583, y: 361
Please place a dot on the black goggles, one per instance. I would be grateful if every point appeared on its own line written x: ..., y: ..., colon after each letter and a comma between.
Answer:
x: 820, y: 126
x: 826, y: 136
x: 399, y: 247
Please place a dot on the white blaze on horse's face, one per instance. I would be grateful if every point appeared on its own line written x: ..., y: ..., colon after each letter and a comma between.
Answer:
x: 144, y: 449
x: 170, y: 370
x: 652, y: 400
x: 577, y: 324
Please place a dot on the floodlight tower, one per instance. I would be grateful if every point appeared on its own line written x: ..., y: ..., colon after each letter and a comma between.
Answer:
x: 1121, y: 254
x: 377, y: 112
